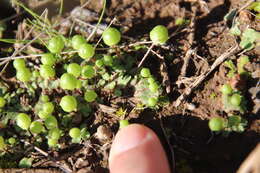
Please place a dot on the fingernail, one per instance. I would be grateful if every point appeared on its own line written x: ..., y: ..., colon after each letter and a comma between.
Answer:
x: 129, y: 141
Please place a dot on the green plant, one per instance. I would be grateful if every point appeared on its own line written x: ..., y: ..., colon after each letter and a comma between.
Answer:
x: 232, y: 68
x: 11, y: 141
x: 123, y: 123
x: 48, y: 107
x: 74, y: 69
x: 52, y: 142
x: 236, y: 99
x: 121, y: 112
x: 145, y: 72
x: 75, y: 134
x: 36, y: 127
x: 73, y: 78
x: 148, y: 91
x: 2, y: 102
x: 68, y: 81
x: 232, y: 100
x: 111, y: 36
x: 2, y: 143
x: 51, y: 122
x: 233, y: 123
x: 77, y: 41
x: 24, y: 75
x: 44, y: 98
x: 2, y: 28
x: 242, y: 61
x: 181, y: 21
x: 48, y: 59
x: 23, y: 121
x: 249, y: 38
x: 68, y: 103
x: 255, y: 6
x: 25, y: 162
x: 47, y: 71
x: 159, y: 34
x: 236, y: 124
x: 152, y: 101
x: 216, y: 124
x: 90, y: 96
x: 56, y: 44
x: 86, y: 51
x: 19, y: 64
x: 54, y: 133
x: 88, y: 71
x: 226, y: 89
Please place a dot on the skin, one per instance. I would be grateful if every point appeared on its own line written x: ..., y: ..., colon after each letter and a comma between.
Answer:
x: 137, y: 149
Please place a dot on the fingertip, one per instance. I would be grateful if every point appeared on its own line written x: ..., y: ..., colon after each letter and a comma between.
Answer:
x: 137, y: 144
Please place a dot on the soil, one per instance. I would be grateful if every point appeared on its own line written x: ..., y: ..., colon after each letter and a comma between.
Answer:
x: 182, y: 130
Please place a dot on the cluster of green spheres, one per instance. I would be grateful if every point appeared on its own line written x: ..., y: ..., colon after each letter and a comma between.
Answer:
x: 152, y: 85
x: 71, y: 80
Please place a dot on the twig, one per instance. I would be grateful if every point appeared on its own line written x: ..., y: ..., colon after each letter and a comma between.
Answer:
x: 246, y: 5
x: 16, y: 52
x: 145, y: 56
x: 57, y: 163
x: 198, y: 80
x: 187, y: 57
x: 31, y: 56
x: 163, y: 68
x: 136, y: 44
x: 99, y: 20
x: 12, y: 17
x: 190, y: 41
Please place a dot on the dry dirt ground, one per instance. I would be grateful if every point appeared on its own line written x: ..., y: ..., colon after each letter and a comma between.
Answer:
x: 184, y: 129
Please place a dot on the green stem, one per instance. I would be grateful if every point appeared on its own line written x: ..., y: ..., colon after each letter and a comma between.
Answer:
x: 99, y: 20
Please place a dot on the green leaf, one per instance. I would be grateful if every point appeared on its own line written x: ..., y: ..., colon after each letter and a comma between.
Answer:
x: 230, y: 16
x: 123, y: 80
x: 6, y: 116
x: 248, y: 38
x: 84, y: 108
x: 143, y: 93
x: 235, y: 30
x: 236, y: 123
x: 232, y: 68
x: 84, y: 133
x: 242, y: 61
x: 234, y: 120
x: 181, y: 21
x: 12, y: 41
x: 111, y: 85
x: 25, y: 162
x: 228, y: 107
x: 76, y: 140
x: 254, y: 6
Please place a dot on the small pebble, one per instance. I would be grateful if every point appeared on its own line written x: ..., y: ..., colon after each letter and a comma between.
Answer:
x: 103, y: 133
x: 190, y: 106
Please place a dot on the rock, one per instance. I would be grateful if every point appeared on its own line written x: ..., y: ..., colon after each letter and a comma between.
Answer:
x: 103, y: 133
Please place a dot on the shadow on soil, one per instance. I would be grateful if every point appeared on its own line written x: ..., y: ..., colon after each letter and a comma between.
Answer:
x: 189, y: 138
x: 144, y: 26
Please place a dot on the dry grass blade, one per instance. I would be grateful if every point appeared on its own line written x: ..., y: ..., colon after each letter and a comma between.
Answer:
x: 198, y: 80
x: 29, y: 170
x: 190, y: 51
x: 145, y: 56
x: 164, y: 72
x: 65, y: 168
